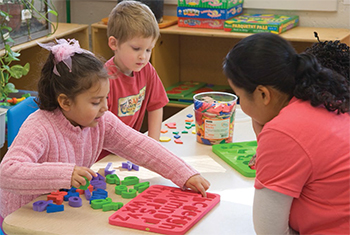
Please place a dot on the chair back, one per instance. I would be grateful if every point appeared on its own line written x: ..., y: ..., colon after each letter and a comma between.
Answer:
x: 17, y: 115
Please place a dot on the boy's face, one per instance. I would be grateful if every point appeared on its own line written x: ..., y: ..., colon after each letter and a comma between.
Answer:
x: 133, y: 54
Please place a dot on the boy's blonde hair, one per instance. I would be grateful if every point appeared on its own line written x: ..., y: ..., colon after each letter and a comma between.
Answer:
x: 130, y: 19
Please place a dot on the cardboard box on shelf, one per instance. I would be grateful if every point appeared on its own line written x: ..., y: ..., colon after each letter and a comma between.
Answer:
x: 257, y: 23
x: 209, y: 13
x: 201, y: 23
x: 218, y: 4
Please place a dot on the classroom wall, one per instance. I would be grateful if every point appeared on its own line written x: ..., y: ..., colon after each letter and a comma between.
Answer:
x: 88, y: 12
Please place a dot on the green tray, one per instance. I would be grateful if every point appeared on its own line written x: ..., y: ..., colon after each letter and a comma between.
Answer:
x: 237, y: 155
x: 181, y: 89
x: 207, y: 88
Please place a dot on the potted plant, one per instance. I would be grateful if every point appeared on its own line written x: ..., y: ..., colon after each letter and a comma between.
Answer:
x: 8, y: 69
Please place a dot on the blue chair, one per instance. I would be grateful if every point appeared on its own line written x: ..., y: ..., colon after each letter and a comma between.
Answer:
x: 16, y: 116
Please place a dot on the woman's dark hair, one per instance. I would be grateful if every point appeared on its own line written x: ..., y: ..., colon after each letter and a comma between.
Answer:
x: 269, y: 60
x: 86, y: 71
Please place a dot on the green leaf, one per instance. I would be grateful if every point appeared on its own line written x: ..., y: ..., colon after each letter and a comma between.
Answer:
x: 52, y: 12
x: 10, y: 88
x: 9, y: 39
x: 12, y: 56
x: 7, y: 68
x: 2, y: 94
x: 6, y: 77
x: 8, y: 48
x: 4, y: 27
x: 17, y: 71
x: 4, y: 14
x: 26, y: 69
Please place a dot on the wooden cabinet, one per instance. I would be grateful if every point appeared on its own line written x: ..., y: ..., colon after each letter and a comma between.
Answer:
x: 188, y: 54
x: 31, y: 52
x: 100, y: 41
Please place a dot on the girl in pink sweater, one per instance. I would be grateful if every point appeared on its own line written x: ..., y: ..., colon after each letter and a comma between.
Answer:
x: 58, y: 143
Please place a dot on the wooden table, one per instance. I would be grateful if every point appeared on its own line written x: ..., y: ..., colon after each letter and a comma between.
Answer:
x: 233, y: 214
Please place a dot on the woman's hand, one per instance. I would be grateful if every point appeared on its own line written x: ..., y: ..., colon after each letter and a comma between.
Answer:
x: 251, y: 163
x: 257, y: 127
x: 198, y: 184
x: 78, y: 175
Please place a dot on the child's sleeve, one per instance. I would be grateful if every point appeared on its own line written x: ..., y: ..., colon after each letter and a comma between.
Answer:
x: 158, y: 96
x: 25, y: 170
x: 142, y: 150
x: 279, y: 157
x: 271, y: 212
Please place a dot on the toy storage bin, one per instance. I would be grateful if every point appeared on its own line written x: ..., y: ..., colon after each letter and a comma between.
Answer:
x: 2, y: 126
x: 214, y: 113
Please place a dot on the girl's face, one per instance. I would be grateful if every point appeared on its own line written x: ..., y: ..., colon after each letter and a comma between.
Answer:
x: 133, y: 54
x: 87, y: 108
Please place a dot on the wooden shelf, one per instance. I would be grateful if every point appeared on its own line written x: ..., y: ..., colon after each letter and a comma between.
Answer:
x: 190, y: 54
x: 297, y: 34
x: 63, y: 30
x: 31, y: 52
x: 100, y: 42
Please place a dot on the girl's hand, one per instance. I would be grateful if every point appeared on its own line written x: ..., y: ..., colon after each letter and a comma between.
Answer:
x: 198, y: 184
x: 78, y: 176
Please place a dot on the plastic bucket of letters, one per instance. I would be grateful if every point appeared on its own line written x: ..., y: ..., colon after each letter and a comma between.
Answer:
x: 214, y: 113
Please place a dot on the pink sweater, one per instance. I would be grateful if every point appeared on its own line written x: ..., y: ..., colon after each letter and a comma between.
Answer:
x: 42, y: 157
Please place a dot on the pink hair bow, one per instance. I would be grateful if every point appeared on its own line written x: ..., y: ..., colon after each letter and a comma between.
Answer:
x: 63, y: 50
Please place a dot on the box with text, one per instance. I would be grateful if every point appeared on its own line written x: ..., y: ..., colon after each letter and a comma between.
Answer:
x: 218, y: 4
x: 257, y: 23
x: 207, y: 13
x: 201, y: 23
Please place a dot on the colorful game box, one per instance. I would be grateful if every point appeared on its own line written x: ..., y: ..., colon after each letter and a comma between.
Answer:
x: 237, y: 155
x: 209, y: 13
x: 257, y: 23
x: 201, y: 23
x: 218, y: 4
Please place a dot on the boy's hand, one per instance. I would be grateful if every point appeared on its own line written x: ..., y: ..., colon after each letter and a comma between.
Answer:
x: 198, y: 184
x: 78, y: 176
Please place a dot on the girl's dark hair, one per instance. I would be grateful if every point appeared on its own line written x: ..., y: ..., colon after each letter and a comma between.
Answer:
x: 333, y: 55
x: 269, y: 60
x: 86, y: 71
